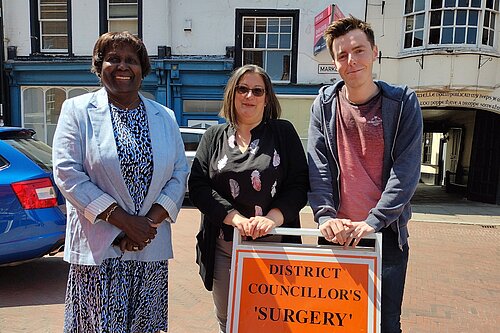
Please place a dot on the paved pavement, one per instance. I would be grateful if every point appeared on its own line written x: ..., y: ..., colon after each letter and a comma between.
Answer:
x: 453, y: 282
x: 433, y: 204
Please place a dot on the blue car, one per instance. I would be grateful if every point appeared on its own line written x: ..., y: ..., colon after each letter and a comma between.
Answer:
x: 32, y: 210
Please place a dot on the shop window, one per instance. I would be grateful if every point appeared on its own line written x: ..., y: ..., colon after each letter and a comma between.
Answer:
x: 41, y: 107
x: 199, y: 106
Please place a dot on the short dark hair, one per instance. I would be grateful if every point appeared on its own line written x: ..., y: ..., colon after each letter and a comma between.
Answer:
x: 344, y: 25
x: 272, y: 110
x: 109, y: 40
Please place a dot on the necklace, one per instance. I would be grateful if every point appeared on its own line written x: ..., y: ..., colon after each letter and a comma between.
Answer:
x: 123, y: 106
x: 244, y: 141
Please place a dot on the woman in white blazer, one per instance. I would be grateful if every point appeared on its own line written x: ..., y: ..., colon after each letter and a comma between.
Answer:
x: 120, y: 163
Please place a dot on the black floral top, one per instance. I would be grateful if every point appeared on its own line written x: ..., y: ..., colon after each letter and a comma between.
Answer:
x: 271, y: 173
x: 249, y: 179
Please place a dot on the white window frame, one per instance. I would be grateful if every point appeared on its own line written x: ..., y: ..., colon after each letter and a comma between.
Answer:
x: 123, y: 18
x: 425, y: 30
x: 495, y: 10
x: 267, y: 51
x: 42, y: 20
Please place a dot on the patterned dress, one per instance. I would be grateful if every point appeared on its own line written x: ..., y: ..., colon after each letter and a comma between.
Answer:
x: 122, y: 296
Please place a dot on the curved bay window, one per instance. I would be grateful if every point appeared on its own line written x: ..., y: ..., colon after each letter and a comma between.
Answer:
x: 460, y: 23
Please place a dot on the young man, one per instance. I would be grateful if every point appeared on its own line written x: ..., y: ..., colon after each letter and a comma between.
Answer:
x: 364, y: 154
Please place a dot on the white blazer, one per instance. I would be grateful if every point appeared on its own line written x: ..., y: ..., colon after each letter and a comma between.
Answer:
x: 87, y: 171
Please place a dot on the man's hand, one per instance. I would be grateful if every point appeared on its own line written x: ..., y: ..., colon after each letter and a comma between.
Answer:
x: 335, y: 230
x: 357, y: 231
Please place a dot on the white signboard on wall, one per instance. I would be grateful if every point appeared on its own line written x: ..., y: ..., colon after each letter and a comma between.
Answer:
x: 326, y: 69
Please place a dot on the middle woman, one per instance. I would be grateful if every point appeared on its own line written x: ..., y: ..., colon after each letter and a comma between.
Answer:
x: 249, y: 174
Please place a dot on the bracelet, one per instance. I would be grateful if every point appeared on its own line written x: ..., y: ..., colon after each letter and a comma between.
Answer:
x: 108, y: 215
x: 150, y: 220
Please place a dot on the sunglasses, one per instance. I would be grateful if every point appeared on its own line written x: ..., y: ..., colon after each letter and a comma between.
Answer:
x: 243, y: 90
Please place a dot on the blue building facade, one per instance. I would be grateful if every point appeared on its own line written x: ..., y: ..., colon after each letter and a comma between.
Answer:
x: 192, y: 87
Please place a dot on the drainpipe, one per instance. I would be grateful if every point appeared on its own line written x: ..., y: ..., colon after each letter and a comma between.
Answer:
x: 366, y: 9
x: 3, y: 91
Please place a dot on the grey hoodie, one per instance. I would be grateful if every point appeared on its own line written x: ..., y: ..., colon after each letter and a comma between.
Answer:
x: 402, y: 124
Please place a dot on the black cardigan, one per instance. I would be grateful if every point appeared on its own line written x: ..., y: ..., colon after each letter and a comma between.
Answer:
x: 290, y: 199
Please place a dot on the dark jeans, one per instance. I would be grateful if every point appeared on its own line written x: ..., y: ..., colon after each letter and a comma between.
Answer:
x: 394, y: 263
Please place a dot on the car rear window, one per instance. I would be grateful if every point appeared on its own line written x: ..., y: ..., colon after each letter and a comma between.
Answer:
x: 35, y: 150
x: 191, y: 141
x: 3, y: 163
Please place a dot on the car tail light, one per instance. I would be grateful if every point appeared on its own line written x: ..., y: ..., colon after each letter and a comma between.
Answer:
x: 38, y: 193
